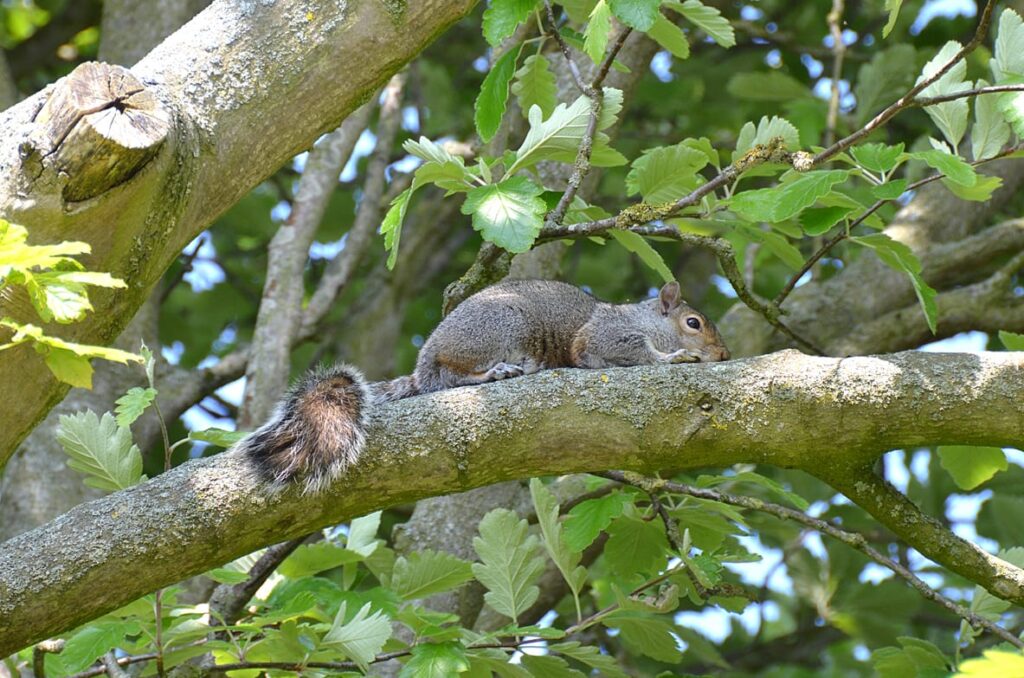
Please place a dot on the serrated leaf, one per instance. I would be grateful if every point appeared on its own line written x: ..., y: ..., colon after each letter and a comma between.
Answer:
x: 880, y: 158
x: 566, y: 560
x: 756, y: 478
x: 645, y: 634
x: 890, y: 190
x: 1008, y: 56
x: 1011, y: 340
x: 487, y: 663
x: 893, y: 8
x: 535, y: 85
x: 588, y: 519
x: 217, y: 436
x: 639, y: 246
x: 132, y: 404
x: 766, y: 86
x: 952, y: 166
x: 981, y: 191
x: 426, y: 573
x: 558, y: 137
x: 670, y: 37
x: 391, y: 227
x: 510, y: 563
x: 990, y: 132
x: 607, y: 665
x: 881, y: 81
x: 949, y: 116
x: 310, y: 559
x: 101, y: 450
x: 666, y: 173
x: 775, y: 243
x: 766, y: 130
x: 548, y: 666
x: 223, y: 575
x: 95, y: 640
x: 509, y: 214
x: 708, y: 19
x: 502, y: 17
x: 785, y: 201
x: 639, y: 15
x: 635, y: 546
x: 971, y: 466
x: 898, y: 256
x: 493, y: 98
x: 361, y: 638
x: 436, y: 660
x: 819, y: 220
x: 599, y: 28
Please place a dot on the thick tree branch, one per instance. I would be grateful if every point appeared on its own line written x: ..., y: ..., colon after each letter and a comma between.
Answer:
x: 105, y: 553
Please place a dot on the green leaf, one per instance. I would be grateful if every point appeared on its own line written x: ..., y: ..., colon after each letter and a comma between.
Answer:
x: 588, y: 519
x: 510, y: 563
x: 670, y: 36
x: 789, y: 199
x: 1008, y: 59
x: 56, y: 300
x: 436, y: 660
x: 101, y: 450
x: 94, y: 641
x: 766, y: 130
x: 509, y: 214
x: 502, y: 17
x: 362, y: 637
x: 69, y: 367
x: 217, y: 436
x: 952, y: 166
x: 666, y: 173
x: 891, y: 189
x: 972, y: 466
x: 548, y: 666
x: 757, y: 479
x: 486, y: 663
x: 766, y: 86
x: 915, y: 658
x: 881, y: 81
x: 880, y: 158
x: 637, y: 14
x: 566, y: 560
x: 535, y: 85
x: 993, y: 664
x: 558, y: 137
x: 819, y: 220
x: 898, y: 256
x: 493, y: 98
x: 1011, y: 106
x: 132, y: 404
x: 775, y: 243
x: 645, y: 634
x: 310, y: 559
x: 635, y: 546
x: 1011, y: 340
x: 606, y: 665
x: 639, y: 246
x: 362, y: 534
x: 599, y: 28
x: 424, y: 573
x: 223, y: 575
x: 949, y: 116
x: 893, y: 7
x: 990, y: 132
x: 981, y: 191
x: 708, y: 19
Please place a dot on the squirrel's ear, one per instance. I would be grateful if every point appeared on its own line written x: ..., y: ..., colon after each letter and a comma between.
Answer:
x: 669, y: 297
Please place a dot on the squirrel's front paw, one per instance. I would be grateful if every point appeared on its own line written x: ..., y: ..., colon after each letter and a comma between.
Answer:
x: 681, y: 356
x: 504, y: 371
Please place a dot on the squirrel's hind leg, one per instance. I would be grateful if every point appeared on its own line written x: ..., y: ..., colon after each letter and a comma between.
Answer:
x: 500, y: 370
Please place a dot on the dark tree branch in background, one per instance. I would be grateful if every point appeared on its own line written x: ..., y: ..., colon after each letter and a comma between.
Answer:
x: 852, y: 539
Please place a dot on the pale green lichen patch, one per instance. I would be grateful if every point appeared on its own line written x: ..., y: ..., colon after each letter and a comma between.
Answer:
x: 396, y: 9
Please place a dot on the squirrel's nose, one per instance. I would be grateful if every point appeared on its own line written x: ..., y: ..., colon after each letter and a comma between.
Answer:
x: 723, y: 353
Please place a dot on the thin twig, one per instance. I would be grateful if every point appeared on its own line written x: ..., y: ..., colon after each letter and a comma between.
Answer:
x: 977, y: 91
x: 113, y: 669
x: 39, y: 652
x: 573, y: 70
x: 838, y: 53
x: 907, y: 100
x: 852, y: 539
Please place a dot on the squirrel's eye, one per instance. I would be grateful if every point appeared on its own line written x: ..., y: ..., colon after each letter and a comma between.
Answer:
x: 693, y: 323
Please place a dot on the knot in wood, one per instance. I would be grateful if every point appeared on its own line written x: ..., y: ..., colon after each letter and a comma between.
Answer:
x: 99, y: 127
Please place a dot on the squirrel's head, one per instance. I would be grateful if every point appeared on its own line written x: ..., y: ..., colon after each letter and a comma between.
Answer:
x: 695, y: 331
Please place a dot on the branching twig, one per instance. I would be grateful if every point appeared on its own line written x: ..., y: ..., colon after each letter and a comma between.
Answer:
x: 977, y: 91
x: 39, y: 652
x: 852, y: 539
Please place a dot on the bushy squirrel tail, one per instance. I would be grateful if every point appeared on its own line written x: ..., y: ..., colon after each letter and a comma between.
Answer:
x: 319, y: 428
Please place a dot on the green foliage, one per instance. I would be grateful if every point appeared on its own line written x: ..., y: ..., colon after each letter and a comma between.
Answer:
x: 101, y: 450
x: 898, y: 256
x: 427, y: 573
x: 361, y: 637
x: 972, y: 466
x: 509, y: 214
x: 535, y: 85
x: 493, y: 99
x: 502, y: 17
x: 132, y: 404
x: 510, y: 563
x: 566, y: 559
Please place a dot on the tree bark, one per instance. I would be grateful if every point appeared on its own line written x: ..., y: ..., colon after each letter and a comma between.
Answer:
x: 244, y: 87
x: 108, y: 552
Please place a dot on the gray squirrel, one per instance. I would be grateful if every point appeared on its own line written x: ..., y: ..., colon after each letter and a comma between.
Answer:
x: 508, y: 330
